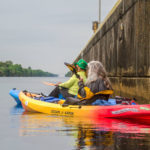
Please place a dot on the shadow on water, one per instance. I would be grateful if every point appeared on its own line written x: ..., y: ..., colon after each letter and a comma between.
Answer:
x: 87, y: 133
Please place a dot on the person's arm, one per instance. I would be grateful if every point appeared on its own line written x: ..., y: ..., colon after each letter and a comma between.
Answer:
x: 81, y: 90
x: 68, y: 83
x: 85, y: 91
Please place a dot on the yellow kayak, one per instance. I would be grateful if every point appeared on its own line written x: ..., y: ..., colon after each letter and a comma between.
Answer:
x: 139, y: 113
x: 33, y: 105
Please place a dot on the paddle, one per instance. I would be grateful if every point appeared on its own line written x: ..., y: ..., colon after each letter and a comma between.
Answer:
x: 73, y: 69
x: 51, y: 84
x: 48, y: 83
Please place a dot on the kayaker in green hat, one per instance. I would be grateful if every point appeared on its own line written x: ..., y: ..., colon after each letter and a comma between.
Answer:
x: 97, y: 86
x: 70, y: 88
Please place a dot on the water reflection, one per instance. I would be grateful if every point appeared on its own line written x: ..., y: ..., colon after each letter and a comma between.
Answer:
x: 17, y: 109
x: 94, y: 139
x: 37, y: 124
x: 88, y: 133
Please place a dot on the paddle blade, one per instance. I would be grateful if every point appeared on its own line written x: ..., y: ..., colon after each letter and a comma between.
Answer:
x: 71, y: 67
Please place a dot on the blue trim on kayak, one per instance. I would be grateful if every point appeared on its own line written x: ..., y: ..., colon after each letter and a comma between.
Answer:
x: 15, y: 94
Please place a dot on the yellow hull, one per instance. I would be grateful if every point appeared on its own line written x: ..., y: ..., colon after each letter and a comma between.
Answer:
x: 33, y: 105
x: 139, y: 113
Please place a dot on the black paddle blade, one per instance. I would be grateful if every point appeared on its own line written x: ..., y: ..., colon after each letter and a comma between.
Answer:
x: 71, y: 67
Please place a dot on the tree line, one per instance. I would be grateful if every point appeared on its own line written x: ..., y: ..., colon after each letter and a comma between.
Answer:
x: 68, y: 74
x: 8, y: 69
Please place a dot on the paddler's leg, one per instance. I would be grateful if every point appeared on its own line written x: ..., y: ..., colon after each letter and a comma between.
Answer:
x: 71, y: 101
x: 65, y: 93
x: 55, y: 92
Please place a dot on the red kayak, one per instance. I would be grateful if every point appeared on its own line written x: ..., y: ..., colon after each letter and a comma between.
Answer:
x: 140, y: 113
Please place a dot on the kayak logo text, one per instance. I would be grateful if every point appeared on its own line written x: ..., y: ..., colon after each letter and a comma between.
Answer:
x: 68, y: 113
x: 125, y: 110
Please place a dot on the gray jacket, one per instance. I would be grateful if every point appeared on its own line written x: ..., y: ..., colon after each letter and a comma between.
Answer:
x: 95, y: 86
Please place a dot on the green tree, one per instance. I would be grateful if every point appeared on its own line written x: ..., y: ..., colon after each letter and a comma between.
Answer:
x: 9, y: 69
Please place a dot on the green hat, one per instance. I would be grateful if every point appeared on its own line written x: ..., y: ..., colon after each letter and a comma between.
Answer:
x: 82, y: 64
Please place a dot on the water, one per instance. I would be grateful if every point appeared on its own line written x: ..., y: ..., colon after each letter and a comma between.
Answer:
x: 20, y: 130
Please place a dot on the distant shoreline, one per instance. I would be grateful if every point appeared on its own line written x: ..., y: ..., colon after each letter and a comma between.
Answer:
x: 8, y: 69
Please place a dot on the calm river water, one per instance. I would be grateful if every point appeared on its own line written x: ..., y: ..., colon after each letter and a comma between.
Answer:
x: 22, y: 131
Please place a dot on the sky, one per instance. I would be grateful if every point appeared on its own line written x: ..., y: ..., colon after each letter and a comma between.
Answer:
x: 43, y: 34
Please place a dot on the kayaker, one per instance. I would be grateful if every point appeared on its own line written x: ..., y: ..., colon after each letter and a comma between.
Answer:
x: 70, y: 88
x: 97, y: 81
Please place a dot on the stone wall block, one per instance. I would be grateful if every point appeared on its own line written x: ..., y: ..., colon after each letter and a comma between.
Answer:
x: 126, y: 51
x: 142, y: 37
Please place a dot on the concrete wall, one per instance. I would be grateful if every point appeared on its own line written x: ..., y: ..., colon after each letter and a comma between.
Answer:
x: 122, y: 44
